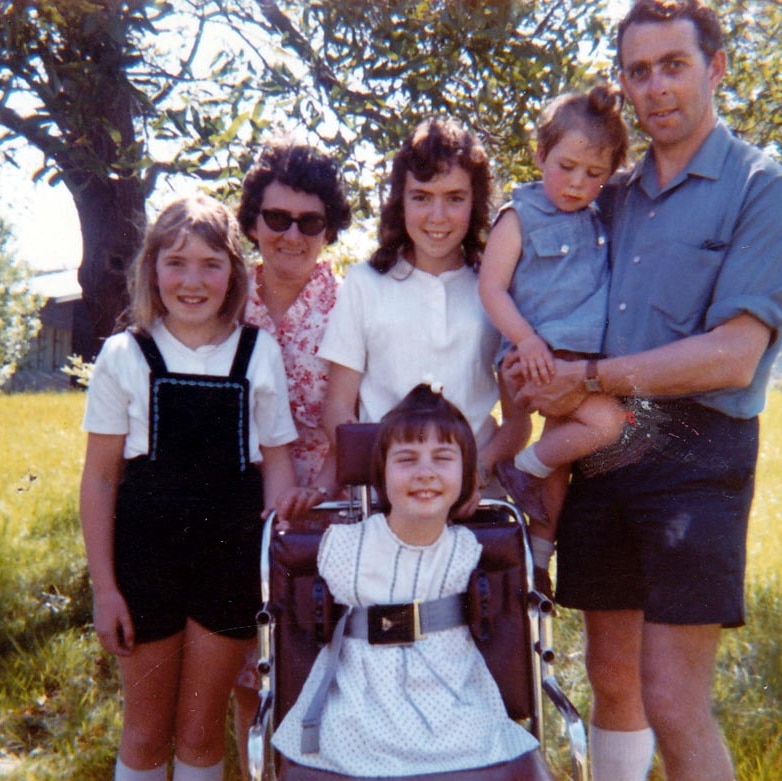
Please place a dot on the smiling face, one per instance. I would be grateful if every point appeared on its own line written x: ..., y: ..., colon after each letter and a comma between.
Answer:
x: 288, y: 256
x: 193, y: 280
x: 437, y: 217
x: 423, y: 480
x: 574, y: 170
x: 670, y: 83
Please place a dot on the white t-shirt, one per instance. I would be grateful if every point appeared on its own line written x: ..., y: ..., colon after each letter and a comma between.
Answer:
x: 400, y: 328
x: 118, y: 396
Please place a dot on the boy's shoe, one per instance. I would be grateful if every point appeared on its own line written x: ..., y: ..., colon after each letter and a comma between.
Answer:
x: 525, y: 489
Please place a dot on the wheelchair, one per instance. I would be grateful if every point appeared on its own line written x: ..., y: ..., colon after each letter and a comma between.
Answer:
x: 509, y: 620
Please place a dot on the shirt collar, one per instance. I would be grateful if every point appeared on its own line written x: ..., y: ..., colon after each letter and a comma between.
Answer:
x: 403, y: 268
x: 706, y: 163
x: 535, y: 197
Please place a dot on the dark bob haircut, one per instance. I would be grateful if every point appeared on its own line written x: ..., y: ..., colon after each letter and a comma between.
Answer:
x: 410, y: 421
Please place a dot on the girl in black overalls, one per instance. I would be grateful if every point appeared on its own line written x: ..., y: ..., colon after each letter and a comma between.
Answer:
x: 182, y: 409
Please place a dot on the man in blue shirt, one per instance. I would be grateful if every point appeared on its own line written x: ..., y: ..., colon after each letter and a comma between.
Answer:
x: 654, y: 550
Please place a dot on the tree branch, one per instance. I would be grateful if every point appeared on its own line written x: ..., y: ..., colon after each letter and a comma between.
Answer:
x: 30, y: 129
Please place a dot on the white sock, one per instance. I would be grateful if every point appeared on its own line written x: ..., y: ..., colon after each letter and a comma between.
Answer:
x: 528, y: 461
x: 542, y: 551
x: 620, y: 756
x: 185, y: 772
x: 124, y: 773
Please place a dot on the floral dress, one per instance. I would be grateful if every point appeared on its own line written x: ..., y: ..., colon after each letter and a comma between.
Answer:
x: 299, y: 334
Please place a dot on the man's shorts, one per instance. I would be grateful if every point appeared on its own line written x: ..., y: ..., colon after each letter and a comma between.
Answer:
x: 666, y: 534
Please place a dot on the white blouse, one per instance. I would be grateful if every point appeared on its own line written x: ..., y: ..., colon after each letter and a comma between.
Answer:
x: 400, y: 328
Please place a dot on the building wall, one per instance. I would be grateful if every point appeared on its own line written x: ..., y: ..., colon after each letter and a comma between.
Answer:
x: 41, y: 369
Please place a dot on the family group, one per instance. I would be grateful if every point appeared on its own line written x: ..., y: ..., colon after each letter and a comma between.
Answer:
x: 636, y: 305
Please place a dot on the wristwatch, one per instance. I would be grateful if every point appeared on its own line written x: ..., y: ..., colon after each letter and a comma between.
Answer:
x: 592, y: 381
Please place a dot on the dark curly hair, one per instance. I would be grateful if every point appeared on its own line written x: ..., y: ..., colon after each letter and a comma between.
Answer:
x: 707, y: 25
x: 303, y: 168
x: 597, y: 114
x: 409, y: 421
x: 431, y: 149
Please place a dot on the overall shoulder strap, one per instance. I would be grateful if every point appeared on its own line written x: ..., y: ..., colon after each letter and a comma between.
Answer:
x: 244, y: 351
x: 151, y: 353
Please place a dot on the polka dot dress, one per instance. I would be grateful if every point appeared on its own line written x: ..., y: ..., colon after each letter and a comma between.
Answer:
x: 428, y: 707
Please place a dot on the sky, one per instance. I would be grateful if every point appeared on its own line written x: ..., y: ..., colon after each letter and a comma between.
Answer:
x: 43, y: 218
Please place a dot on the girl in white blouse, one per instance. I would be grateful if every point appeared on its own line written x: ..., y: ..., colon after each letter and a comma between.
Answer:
x: 413, y: 310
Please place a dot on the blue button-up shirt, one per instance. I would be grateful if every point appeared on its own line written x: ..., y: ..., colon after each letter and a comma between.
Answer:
x: 702, y: 250
x: 560, y: 283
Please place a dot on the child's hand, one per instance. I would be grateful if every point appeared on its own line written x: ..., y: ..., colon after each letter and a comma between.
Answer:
x: 535, y: 360
x: 113, y: 623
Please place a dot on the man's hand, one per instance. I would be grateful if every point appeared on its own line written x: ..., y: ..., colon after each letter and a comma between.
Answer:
x: 558, y: 398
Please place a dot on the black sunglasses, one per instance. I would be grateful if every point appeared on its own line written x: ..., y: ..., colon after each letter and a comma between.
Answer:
x: 310, y: 224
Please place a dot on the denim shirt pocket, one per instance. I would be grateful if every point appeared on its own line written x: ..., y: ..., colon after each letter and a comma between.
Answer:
x: 683, y: 299
x: 563, y: 262
x: 553, y: 242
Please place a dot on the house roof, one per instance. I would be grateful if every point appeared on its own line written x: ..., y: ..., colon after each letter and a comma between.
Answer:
x: 57, y: 286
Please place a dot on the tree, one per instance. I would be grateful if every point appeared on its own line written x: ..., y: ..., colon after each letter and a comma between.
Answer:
x: 379, y: 67
x: 19, y: 306
x: 117, y: 93
x: 752, y: 91
x: 70, y: 60
x: 85, y: 82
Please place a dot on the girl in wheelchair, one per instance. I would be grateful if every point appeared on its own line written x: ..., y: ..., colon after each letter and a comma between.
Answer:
x: 402, y: 690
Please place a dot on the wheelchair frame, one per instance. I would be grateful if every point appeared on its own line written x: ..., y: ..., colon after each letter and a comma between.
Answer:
x: 540, y: 652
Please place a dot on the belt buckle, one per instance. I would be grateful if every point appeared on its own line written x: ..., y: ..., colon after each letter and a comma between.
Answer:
x: 394, y: 624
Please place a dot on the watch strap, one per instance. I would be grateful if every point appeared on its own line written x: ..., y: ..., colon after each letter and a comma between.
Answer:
x: 591, y: 380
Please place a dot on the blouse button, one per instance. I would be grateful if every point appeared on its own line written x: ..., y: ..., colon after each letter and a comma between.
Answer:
x: 637, y: 259
x: 601, y: 240
x: 622, y: 307
x: 652, y: 214
x: 564, y: 249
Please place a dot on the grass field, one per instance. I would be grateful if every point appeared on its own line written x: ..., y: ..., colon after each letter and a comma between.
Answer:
x: 59, y: 702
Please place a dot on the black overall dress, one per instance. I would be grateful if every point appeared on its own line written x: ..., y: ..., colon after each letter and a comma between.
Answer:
x: 188, y: 518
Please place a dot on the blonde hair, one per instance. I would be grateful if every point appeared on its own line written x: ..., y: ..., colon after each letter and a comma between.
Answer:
x: 209, y: 220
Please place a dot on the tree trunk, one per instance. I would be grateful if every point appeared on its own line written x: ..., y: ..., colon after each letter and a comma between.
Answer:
x: 111, y: 214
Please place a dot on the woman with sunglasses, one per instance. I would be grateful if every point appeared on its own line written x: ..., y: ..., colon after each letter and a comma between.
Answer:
x: 293, y: 205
